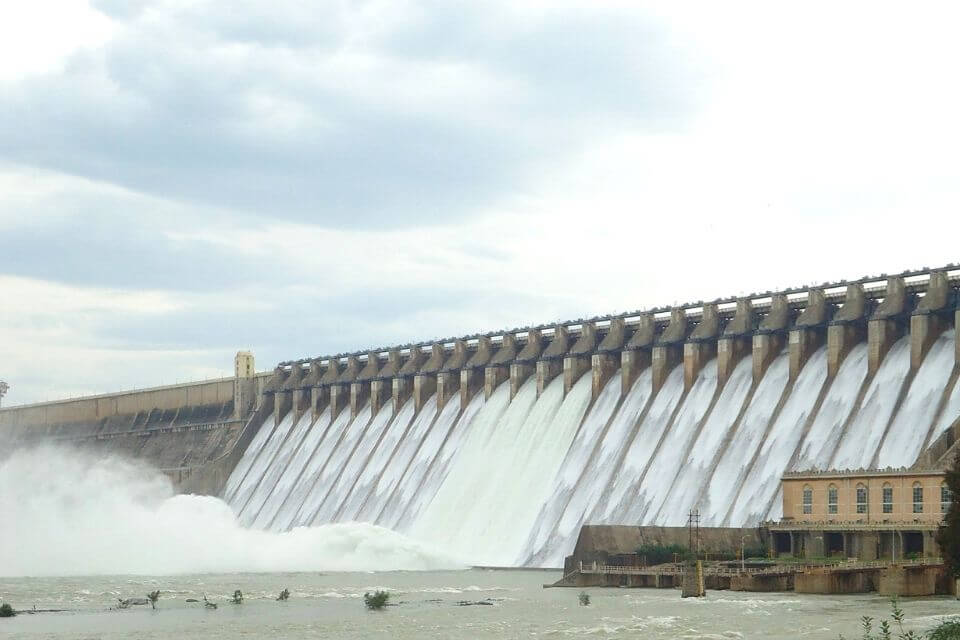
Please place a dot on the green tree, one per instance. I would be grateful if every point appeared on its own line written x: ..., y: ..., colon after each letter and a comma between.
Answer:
x: 948, y: 537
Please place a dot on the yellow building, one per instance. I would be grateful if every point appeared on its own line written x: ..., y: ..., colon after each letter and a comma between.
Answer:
x: 869, y: 514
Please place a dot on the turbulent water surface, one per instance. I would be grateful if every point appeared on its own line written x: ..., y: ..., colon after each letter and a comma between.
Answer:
x: 330, y: 606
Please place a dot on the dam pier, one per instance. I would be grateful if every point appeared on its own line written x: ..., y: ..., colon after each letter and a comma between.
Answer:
x: 627, y: 419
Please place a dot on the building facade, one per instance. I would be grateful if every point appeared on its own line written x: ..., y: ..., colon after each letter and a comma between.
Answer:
x: 867, y: 514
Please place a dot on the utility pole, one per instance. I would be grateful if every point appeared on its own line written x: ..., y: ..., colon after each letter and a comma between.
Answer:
x: 4, y: 387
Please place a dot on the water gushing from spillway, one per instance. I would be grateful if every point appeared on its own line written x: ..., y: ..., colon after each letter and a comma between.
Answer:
x: 620, y: 495
x: 550, y: 540
x: 902, y: 444
x: 574, y: 464
x: 762, y: 478
x: 292, y: 475
x: 863, y: 435
x: 821, y: 440
x: 697, y: 467
x: 506, y: 480
x: 731, y: 471
x: 668, y: 458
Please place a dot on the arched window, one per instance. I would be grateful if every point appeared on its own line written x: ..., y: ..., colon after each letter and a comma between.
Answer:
x: 917, y: 497
x: 946, y: 497
x: 832, y: 499
x: 887, y: 498
x: 807, y: 500
x: 861, y: 498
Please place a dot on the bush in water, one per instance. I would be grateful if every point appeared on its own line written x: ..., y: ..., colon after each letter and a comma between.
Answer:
x: 6, y: 611
x: 376, y: 600
x: 584, y: 598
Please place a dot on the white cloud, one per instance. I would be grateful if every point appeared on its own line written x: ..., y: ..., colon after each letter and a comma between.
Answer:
x: 822, y: 147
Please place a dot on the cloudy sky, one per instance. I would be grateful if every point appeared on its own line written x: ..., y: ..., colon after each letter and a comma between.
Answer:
x: 180, y: 179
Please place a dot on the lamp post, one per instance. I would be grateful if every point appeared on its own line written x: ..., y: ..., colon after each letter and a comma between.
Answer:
x: 743, y: 565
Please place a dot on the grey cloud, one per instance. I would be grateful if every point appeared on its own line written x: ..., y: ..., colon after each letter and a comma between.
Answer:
x: 158, y: 112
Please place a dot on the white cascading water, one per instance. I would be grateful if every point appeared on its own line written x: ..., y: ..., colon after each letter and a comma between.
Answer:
x: 610, y: 508
x: 262, y: 462
x: 821, y: 440
x: 699, y: 464
x: 429, y: 469
x: 379, y: 493
x: 549, y: 542
x: 511, y: 482
x: 473, y: 490
x: 546, y: 438
x: 287, y: 512
x: 274, y: 470
x: 862, y: 438
x: 393, y: 433
x: 780, y: 445
x: 332, y: 468
x: 903, y: 442
x: 294, y: 469
x: 354, y: 465
x: 950, y: 413
x: 575, y: 463
x: 729, y: 473
x: 669, y: 457
x: 247, y: 460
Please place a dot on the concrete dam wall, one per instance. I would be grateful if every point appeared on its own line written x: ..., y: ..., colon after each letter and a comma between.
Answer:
x: 498, y: 447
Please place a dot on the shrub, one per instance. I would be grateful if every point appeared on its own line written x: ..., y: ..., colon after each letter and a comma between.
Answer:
x: 660, y: 553
x: 284, y: 595
x: 584, y: 598
x: 946, y: 630
x: 376, y: 600
x: 6, y: 611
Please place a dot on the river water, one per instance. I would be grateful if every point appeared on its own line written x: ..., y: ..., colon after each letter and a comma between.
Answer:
x: 330, y: 606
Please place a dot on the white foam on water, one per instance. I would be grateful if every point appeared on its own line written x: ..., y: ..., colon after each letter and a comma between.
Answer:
x: 575, y: 463
x: 864, y: 433
x: 320, y: 489
x: 356, y: 461
x: 763, y: 478
x: 915, y: 417
x: 729, y: 472
x: 699, y: 463
x: 294, y: 469
x: 274, y: 470
x: 823, y: 437
x: 381, y: 456
x: 613, y: 504
x: 87, y: 515
x: 305, y: 486
x: 252, y: 480
x: 669, y: 458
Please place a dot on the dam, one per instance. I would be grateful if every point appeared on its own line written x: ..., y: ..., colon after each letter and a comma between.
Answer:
x: 498, y: 447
